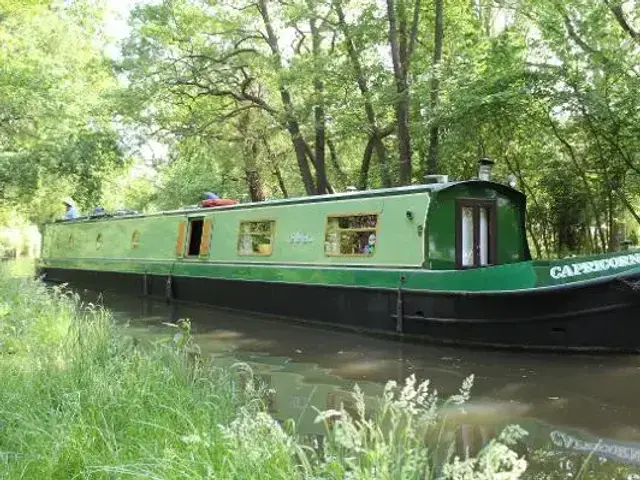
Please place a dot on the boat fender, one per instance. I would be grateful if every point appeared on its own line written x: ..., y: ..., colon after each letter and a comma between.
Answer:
x: 169, y: 290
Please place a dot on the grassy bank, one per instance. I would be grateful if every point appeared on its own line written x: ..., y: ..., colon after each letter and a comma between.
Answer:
x: 81, y: 399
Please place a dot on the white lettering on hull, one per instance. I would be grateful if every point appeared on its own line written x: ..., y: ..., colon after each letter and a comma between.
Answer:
x: 583, y: 268
x: 627, y: 453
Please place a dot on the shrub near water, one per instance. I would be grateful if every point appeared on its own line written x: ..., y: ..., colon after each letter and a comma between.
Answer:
x: 80, y: 399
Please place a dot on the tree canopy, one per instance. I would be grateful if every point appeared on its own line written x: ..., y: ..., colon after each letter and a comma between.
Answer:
x: 259, y: 99
x: 56, y: 132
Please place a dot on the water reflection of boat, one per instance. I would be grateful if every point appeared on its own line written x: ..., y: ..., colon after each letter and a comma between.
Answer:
x: 468, y: 429
x: 298, y: 400
x: 588, y: 398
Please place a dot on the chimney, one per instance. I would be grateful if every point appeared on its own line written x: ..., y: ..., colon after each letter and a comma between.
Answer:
x: 484, y: 170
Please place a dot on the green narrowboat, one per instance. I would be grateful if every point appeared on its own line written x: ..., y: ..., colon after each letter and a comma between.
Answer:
x: 443, y: 262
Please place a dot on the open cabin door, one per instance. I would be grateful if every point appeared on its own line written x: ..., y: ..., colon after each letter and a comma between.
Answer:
x: 205, y: 241
x: 194, y: 238
x: 180, y: 238
x: 476, y: 233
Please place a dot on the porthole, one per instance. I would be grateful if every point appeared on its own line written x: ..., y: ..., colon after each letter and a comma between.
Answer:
x: 99, y: 242
x: 135, y: 240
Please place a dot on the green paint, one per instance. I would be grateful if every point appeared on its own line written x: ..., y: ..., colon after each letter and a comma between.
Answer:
x: 416, y: 239
x: 158, y: 233
x: 504, y: 277
x: 441, y: 224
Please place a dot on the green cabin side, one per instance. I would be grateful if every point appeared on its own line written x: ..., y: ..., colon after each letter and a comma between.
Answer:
x: 410, y: 227
x: 298, y: 234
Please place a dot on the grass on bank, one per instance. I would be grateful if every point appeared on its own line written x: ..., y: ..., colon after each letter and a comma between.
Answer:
x: 81, y: 399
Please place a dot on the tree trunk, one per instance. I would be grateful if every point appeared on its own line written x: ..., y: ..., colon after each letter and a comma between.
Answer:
x: 293, y: 127
x: 273, y: 161
x: 616, y: 9
x: 252, y: 175
x: 319, y: 117
x: 374, y: 130
x: 432, y: 160
x: 250, y: 152
x: 628, y: 206
x: 366, y: 162
x: 402, y: 43
x: 278, y: 174
x: 381, y: 153
x: 333, y: 154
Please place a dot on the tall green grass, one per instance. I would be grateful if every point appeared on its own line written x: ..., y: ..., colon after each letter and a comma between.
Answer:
x: 81, y: 399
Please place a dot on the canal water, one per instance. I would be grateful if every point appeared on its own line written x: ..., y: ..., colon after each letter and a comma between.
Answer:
x: 582, y: 412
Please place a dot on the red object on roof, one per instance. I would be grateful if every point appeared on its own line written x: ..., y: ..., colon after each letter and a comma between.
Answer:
x: 218, y: 202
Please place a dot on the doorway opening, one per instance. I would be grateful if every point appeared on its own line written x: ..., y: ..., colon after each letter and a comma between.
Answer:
x: 475, y: 233
x: 195, y: 236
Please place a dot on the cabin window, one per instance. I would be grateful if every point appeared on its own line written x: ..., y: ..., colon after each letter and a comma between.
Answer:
x: 195, y: 236
x: 475, y: 233
x: 135, y: 240
x: 351, y: 235
x: 256, y: 238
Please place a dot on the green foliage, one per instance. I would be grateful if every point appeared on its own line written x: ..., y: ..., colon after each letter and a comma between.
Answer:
x: 390, y: 443
x: 55, y: 117
x: 82, y: 399
x: 547, y: 89
x: 257, y: 100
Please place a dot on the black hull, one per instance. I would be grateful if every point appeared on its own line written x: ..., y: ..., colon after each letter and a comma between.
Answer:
x: 596, y: 317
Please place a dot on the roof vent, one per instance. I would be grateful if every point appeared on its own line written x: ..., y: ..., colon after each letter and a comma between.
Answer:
x: 436, y: 178
x: 484, y: 170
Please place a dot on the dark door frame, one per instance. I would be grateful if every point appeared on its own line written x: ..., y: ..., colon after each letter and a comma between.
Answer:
x: 476, y: 204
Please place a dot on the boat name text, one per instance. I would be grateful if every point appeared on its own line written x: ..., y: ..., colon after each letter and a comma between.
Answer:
x: 299, y: 238
x: 576, y: 269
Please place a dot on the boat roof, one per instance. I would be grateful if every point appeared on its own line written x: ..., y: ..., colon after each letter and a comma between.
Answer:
x: 379, y: 192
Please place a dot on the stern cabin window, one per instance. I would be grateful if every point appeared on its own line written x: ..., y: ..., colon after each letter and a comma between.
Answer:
x: 256, y: 238
x: 351, y: 235
x: 475, y: 233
